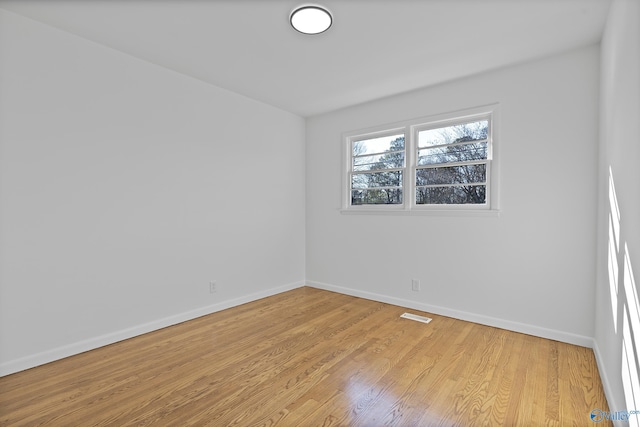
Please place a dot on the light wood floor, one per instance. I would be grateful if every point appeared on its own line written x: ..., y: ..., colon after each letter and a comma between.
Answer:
x: 313, y: 358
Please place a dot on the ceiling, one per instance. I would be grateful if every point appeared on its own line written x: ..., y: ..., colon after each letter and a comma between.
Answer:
x: 374, y: 49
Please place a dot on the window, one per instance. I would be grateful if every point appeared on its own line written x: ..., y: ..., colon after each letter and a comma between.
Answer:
x: 452, y: 164
x: 378, y: 165
x: 445, y: 163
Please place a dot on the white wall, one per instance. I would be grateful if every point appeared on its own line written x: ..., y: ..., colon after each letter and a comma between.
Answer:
x: 125, y: 188
x: 120, y: 199
x: 532, y: 268
x: 618, y: 262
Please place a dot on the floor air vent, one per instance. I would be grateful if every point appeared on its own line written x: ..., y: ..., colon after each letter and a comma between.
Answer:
x: 416, y: 318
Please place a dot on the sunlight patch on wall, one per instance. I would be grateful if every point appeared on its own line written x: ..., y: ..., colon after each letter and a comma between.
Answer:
x: 624, y: 297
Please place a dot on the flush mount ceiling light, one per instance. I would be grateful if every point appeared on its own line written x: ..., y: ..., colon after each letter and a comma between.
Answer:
x: 311, y: 19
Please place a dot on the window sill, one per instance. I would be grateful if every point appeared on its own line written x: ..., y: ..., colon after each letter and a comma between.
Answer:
x: 487, y: 213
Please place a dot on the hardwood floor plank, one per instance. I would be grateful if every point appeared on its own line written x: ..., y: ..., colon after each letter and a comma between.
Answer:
x: 310, y: 357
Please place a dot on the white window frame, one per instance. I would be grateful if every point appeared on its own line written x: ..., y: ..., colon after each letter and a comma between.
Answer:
x: 411, y: 128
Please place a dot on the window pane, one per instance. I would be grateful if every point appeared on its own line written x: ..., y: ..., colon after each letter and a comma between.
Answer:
x: 459, y: 195
x: 378, y: 145
x: 387, y: 196
x: 380, y: 161
x: 456, y: 133
x: 455, y: 153
x: 377, y: 179
x: 465, y: 174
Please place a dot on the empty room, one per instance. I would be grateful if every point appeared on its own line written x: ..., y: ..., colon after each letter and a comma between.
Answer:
x: 337, y: 213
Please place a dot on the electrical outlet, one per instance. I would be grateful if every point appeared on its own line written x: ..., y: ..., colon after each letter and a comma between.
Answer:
x: 212, y: 287
x: 415, y: 285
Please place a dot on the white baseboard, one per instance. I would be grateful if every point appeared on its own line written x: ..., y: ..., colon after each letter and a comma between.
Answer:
x: 47, y: 356
x: 614, y: 405
x: 524, y: 328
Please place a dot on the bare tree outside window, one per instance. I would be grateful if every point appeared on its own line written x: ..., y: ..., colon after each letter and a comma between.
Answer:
x: 452, y: 164
x: 378, y: 165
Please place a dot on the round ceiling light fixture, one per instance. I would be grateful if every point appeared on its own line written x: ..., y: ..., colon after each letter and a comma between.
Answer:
x: 311, y: 19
